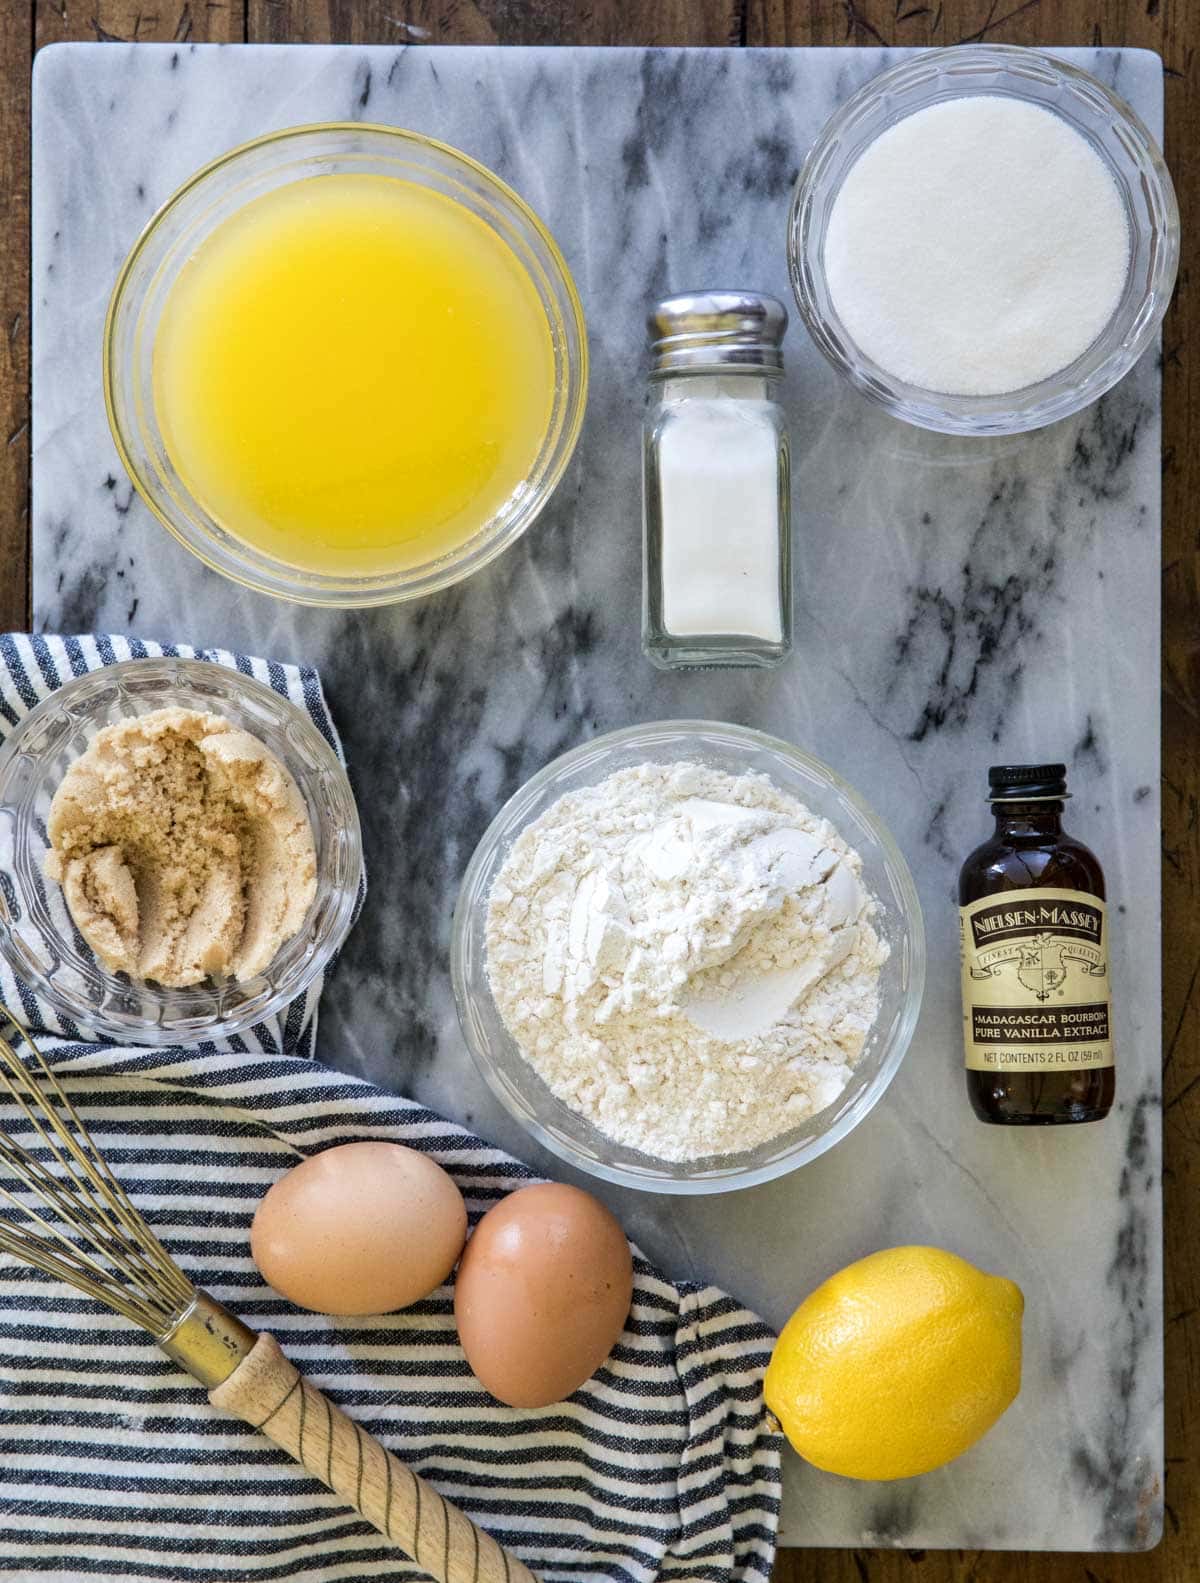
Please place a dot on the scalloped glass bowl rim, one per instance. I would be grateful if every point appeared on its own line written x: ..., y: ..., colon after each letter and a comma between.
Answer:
x: 338, y: 878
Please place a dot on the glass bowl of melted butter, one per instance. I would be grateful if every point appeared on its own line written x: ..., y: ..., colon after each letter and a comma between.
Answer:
x: 345, y: 365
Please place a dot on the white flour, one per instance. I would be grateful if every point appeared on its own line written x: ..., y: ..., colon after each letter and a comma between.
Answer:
x: 686, y: 957
x: 977, y: 246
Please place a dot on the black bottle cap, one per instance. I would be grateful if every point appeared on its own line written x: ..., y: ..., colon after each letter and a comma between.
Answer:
x: 1027, y: 782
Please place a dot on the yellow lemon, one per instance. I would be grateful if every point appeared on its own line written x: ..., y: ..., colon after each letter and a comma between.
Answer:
x: 897, y: 1364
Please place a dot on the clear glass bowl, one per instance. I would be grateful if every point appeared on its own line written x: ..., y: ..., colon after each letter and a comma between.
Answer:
x: 37, y: 936
x: 191, y: 215
x: 735, y: 749
x: 1116, y: 134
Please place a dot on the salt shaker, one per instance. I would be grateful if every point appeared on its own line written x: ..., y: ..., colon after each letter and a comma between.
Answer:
x: 717, y: 566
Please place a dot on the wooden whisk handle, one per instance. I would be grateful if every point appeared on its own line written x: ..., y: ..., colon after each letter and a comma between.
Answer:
x: 265, y: 1390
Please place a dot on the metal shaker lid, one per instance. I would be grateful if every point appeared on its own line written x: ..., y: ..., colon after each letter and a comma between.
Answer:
x: 716, y: 330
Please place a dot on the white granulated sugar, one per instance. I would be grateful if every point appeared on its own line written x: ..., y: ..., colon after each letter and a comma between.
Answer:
x: 977, y: 246
x: 686, y: 957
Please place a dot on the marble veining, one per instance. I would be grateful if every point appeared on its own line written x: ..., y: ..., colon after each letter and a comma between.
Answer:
x: 956, y: 603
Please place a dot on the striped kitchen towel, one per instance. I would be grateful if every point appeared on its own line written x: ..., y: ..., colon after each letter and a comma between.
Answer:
x: 114, y: 1466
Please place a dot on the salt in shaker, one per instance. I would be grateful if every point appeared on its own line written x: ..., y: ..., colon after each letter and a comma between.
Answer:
x: 717, y: 567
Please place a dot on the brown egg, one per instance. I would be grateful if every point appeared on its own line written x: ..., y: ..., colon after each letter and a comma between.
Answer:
x: 542, y: 1293
x: 363, y: 1228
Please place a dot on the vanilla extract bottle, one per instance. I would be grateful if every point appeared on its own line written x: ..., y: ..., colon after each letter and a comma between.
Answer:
x: 1037, y: 1020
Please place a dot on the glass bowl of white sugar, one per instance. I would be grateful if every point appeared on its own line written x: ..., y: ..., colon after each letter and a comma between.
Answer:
x: 983, y: 239
x: 688, y: 957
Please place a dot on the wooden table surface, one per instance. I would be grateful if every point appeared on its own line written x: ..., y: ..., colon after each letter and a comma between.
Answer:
x: 1162, y: 25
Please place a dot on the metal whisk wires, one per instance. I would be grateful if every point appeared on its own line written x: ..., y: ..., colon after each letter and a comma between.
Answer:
x: 69, y: 1216
x: 80, y: 1226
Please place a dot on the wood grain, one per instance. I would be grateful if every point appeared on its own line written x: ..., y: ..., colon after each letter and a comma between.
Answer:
x: 15, y: 60
x: 139, y: 21
x: 1168, y: 26
x: 494, y: 22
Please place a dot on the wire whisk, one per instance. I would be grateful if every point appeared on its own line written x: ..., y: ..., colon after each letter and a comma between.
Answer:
x: 65, y: 1213
x: 96, y: 1241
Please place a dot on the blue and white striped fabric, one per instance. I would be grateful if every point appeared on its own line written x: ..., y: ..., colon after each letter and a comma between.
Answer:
x: 114, y: 1466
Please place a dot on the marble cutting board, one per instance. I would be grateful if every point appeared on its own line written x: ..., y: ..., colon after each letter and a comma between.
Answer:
x: 957, y: 603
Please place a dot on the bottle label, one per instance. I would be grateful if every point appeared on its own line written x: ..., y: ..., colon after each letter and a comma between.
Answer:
x: 1035, y: 984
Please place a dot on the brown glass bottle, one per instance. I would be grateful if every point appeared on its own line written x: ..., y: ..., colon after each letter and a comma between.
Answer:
x: 1035, y: 967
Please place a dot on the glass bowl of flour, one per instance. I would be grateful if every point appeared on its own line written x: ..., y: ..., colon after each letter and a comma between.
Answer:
x: 688, y: 957
x: 983, y: 239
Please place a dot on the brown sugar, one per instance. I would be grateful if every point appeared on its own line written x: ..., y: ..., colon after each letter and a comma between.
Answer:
x: 183, y: 847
